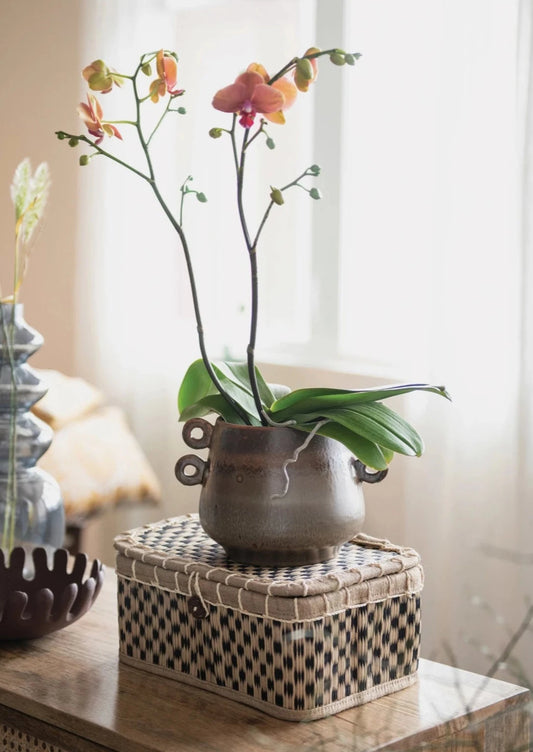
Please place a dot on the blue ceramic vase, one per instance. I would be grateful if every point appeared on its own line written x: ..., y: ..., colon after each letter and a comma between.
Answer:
x: 31, y: 506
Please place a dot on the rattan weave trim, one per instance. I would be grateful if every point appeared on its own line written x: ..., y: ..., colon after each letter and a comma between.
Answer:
x: 304, y: 608
x: 286, y: 714
x: 179, y: 545
x: 11, y: 739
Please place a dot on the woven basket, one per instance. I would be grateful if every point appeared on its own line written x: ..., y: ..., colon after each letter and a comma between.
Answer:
x: 297, y: 642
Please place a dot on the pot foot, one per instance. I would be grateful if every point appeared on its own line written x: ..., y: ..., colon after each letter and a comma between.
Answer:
x: 281, y: 558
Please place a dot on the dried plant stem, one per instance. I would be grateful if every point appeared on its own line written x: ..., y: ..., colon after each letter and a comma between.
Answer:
x: 8, y: 532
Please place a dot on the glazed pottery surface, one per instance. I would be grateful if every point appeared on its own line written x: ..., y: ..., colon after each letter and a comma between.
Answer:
x: 269, y: 500
x: 31, y: 505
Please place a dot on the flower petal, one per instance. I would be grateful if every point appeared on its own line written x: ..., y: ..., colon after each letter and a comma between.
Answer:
x: 170, y: 68
x: 230, y: 98
x: 250, y: 81
x: 85, y: 113
x: 95, y: 106
x: 258, y: 68
x: 157, y: 89
x: 267, y: 99
x: 159, y: 64
x: 276, y: 117
x: 288, y: 89
x: 111, y: 130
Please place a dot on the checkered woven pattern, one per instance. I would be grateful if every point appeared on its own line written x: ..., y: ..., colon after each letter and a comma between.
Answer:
x: 298, y: 642
x: 295, y: 667
x: 184, y: 535
x: 13, y: 740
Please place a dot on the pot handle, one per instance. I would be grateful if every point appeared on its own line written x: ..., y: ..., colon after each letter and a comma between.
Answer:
x: 188, y: 478
x: 363, y: 475
x: 197, y: 442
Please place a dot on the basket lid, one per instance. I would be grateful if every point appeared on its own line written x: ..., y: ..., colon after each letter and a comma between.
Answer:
x: 176, y: 551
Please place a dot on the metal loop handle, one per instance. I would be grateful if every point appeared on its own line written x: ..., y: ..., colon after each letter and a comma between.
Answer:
x: 190, y: 479
x: 201, y: 442
x: 364, y: 475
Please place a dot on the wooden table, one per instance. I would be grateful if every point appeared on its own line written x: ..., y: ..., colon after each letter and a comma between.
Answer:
x: 68, y: 693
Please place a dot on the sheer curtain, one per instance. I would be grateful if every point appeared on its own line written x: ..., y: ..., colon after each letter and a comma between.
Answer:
x: 432, y: 225
x: 525, y: 111
x: 424, y: 232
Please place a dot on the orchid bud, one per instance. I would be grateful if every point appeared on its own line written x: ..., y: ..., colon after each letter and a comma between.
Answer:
x: 98, y: 76
x: 73, y: 141
x: 337, y: 58
x: 314, y: 169
x: 277, y: 196
x: 84, y: 160
x: 270, y: 143
x: 61, y: 135
x: 147, y: 69
x: 350, y: 59
x: 304, y: 69
x: 201, y: 198
x: 181, y: 111
x: 315, y: 193
x: 215, y: 132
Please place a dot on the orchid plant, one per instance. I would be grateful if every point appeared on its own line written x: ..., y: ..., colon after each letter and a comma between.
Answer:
x: 236, y: 391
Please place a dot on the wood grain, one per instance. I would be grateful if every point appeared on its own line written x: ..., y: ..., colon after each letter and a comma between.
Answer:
x: 70, y: 685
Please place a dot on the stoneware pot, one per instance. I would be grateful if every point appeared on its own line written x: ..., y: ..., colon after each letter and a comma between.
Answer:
x: 269, y: 502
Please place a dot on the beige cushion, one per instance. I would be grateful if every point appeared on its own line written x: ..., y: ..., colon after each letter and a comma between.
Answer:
x: 67, y: 398
x: 93, y: 456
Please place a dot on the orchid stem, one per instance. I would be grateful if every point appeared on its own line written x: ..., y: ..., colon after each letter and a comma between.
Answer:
x: 252, y: 254
x: 258, y: 132
x: 188, y: 261
x: 292, y: 63
x: 271, y: 204
x: 152, y: 134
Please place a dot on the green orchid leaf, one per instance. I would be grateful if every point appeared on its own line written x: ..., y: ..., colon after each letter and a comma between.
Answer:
x: 233, y: 377
x: 213, y: 403
x: 195, y: 385
x: 278, y: 391
x: 240, y: 396
x: 237, y: 372
x: 379, y: 424
x: 388, y: 454
x: 397, y: 426
x: 369, y: 453
x: 372, y: 421
x: 316, y: 399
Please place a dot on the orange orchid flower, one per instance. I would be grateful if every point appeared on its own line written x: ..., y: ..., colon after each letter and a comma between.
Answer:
x: 247, y: 96
x: 100, y: 77
x: 167, y: 71
x: 284, y: 85
x: 91, y: 114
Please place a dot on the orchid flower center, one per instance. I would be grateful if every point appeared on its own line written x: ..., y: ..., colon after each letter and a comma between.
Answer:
x: 247, y: 114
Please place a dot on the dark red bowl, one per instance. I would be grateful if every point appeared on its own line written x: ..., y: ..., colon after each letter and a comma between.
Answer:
x: 52, y: 599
